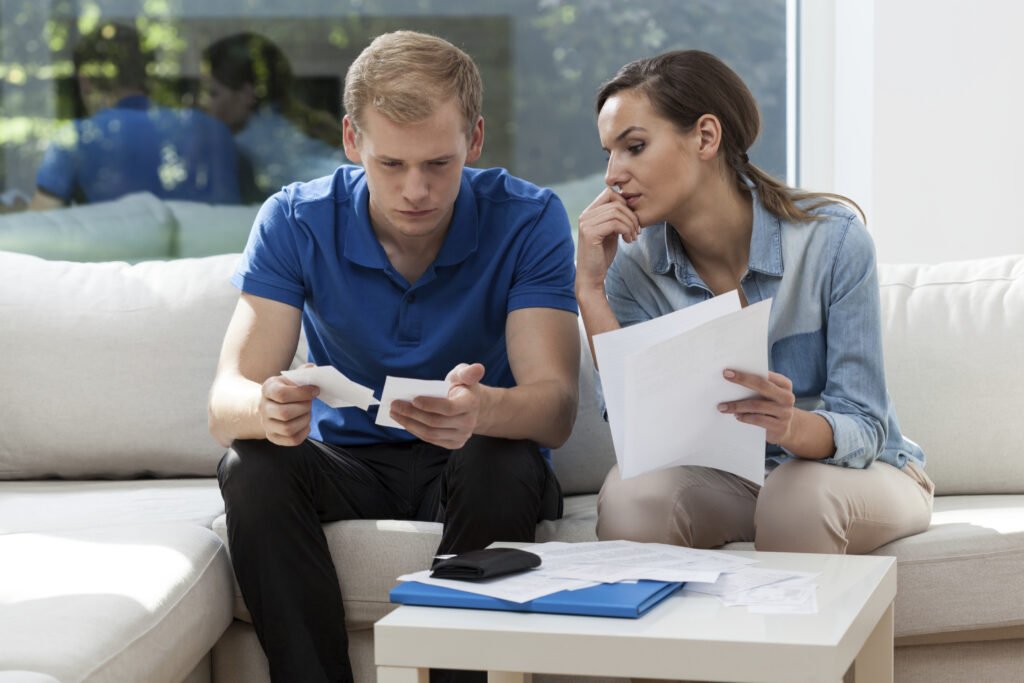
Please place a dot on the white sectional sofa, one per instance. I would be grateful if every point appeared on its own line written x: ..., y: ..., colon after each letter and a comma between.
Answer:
x: 113, y: 561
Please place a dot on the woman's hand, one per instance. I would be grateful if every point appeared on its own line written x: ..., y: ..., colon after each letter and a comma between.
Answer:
x: 601, y: 224
x: 772, y: 409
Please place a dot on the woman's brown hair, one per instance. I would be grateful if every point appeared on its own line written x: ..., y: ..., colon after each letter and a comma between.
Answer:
x: 686, y: 84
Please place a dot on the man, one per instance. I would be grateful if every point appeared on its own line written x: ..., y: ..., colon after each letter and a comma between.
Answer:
x: 129, y: 145
x: 410, y: 266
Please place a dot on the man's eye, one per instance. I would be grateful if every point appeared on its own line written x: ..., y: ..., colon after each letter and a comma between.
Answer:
x: 441, y: 162
x: 391, y: 164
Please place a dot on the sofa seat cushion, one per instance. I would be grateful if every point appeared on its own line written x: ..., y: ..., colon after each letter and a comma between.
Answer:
x: 371, y: 553
x: 138, y: 603
x: 67, y: 505
x: 962, y: 574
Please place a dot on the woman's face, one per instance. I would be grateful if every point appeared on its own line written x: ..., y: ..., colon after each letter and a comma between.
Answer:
x: 230, y: 106
x: 654, y: 165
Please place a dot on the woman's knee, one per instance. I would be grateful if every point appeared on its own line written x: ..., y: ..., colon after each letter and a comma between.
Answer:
x: 797, y: 513
x: 639, y: 509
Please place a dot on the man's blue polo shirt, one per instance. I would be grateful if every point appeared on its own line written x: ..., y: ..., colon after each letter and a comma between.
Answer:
x: 137, y: 147
x: 508, y: 247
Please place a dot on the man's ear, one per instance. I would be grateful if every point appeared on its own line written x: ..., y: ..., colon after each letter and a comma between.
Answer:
x: 476, y: 142
x: 350, y: 139
x: 710, y: 130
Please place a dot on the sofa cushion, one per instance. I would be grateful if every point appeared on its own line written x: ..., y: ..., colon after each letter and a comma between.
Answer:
x: 48, y: 505
x: 141, y: 603
x: 583, y: 461
x: 132, y: 228
x: 208, y: 229
x: 954, y: 335
x: 962, y: 574
x: 112, y: 365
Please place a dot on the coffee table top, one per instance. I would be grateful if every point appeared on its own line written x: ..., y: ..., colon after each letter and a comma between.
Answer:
x: 686, y: 636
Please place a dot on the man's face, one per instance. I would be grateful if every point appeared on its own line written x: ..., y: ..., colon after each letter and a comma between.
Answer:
x: 413, y: 170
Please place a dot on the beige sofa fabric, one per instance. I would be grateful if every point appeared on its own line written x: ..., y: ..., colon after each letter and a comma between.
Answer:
x: 954, y: 357
x: 27, y: 506
x: 112, y: 365
x: 134, y: 603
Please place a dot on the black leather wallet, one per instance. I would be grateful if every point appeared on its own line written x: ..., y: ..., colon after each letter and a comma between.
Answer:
x: 485, y: 564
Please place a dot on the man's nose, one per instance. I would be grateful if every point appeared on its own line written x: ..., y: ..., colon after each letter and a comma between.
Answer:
x: 416, y: 187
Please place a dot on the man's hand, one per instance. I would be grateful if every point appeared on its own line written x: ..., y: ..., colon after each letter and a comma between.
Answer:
x: 445, y: 422
x: 286, y: 410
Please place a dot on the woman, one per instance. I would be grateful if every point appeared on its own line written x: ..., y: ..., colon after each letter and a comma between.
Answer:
x: 247, y: 84
x: 686, y: 216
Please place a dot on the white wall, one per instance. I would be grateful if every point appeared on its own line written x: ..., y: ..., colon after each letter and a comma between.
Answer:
x: 926, y: 112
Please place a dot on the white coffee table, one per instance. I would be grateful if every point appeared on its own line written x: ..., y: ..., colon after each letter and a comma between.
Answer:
x: 688, y: 636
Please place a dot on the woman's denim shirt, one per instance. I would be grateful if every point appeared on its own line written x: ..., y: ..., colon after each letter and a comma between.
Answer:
x: 824, y: 332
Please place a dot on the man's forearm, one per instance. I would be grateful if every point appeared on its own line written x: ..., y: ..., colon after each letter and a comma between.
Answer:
x: 233, y: 410
x: 543, y: 412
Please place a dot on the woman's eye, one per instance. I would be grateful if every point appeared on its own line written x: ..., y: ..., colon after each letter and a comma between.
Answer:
x: 636, y: 148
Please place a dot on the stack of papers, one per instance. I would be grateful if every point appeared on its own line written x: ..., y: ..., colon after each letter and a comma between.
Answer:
x: 662, y: 382
x: 576, y: 566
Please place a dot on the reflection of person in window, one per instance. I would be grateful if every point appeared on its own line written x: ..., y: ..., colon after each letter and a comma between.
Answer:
x: 129, y: 145
x: 686, y: 216
x: 247, y: 84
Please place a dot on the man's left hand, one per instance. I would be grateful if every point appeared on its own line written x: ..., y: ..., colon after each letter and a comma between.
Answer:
x: 445, y: 422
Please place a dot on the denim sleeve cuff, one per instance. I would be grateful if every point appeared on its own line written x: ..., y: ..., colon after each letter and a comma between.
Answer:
x: 854, y: 448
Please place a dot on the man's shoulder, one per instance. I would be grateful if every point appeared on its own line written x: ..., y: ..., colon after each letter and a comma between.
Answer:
x: 498, y: 185
x: 338, y: 187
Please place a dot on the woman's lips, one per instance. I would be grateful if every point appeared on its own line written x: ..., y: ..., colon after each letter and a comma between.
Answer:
x: 631, y: 199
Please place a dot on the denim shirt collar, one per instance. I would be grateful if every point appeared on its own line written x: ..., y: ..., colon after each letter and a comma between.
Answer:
x: 765, y: 246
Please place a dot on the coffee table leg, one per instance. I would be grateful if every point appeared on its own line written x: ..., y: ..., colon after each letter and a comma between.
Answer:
x: 508, y: 677
x: 875, y: 660
x: 398, y: 674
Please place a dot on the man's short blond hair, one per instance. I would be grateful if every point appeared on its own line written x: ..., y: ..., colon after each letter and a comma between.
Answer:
x: 406, y: 75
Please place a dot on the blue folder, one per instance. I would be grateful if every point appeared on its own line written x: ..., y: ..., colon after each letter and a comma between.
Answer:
x: 628, y: 600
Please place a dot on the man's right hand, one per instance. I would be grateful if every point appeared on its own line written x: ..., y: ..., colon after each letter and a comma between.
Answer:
x: 286, y: 410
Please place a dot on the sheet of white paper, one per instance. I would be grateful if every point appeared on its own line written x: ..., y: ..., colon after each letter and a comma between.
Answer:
x: 786, y: 597
x: 672, y: 392
x: 615, y: 561
x: 747, y: 579
x: 336, y: 390
x: 406, y: 389
x: 612, y: 349
x: 515, y: 588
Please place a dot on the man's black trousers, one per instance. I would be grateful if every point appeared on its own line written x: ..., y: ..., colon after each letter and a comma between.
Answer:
x: 277, y: 498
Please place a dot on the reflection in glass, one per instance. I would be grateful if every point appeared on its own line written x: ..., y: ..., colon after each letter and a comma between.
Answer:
x: 127, y: 144
x: 247, y: 84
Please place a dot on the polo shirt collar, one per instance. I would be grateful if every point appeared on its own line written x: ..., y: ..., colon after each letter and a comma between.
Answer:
x: 462, y: 239
x: 765, y: 246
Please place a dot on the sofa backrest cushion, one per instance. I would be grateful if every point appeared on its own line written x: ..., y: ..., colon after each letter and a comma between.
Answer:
x: 583, y: 461
x: 106, y: 367
x: 207, y: 229
x: 954, y: 357
x: 133, y: 228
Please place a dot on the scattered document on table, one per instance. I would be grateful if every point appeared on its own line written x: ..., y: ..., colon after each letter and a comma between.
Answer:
x: 336, y: 390
x: 764, y: 591
x: 406, y: 389
x: 614, y: 561
x: 662, y: 382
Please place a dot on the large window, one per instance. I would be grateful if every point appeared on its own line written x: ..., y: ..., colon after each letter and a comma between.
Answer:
x: 541, y: 61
